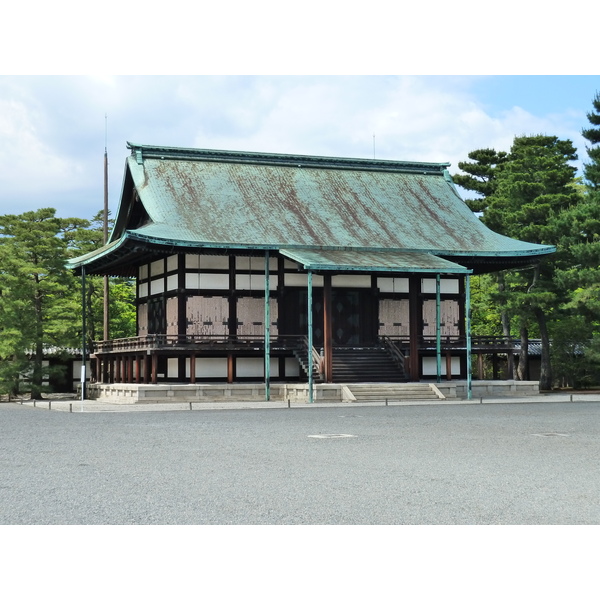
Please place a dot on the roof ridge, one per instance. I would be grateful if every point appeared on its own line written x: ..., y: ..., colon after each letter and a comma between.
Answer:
x: 293, y: 160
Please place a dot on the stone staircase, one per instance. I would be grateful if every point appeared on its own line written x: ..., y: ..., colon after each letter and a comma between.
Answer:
x: 354, y: 365
x: 402, y: 392
x: 301, y: 355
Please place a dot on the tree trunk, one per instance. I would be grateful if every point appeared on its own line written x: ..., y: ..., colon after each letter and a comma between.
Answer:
x: 38, y: 359
x: 504, y: 318
x: 523, y: 367
x: 37, y: 376
x: 545, y: 367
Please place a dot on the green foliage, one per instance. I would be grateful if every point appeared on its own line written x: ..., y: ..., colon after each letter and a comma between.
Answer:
x: 531, y: 194
x: 37, y: 302
x: 486, y: 318
x: 592, y: 134
x: 40, y: 299
x: 575, y: 357
x: 481, y: 175
x: 121, y: 307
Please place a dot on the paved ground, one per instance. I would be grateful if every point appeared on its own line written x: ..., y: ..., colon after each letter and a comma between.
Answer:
x: 465, y: 463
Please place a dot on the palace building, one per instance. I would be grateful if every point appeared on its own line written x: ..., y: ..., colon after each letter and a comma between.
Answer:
x: 255, y: 267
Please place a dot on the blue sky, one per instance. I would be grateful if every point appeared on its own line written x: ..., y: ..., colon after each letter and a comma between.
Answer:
x: 52, y: 128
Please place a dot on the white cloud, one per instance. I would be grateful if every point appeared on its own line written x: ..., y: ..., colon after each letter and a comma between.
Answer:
x: 28, y: 163
x: 52, y: 129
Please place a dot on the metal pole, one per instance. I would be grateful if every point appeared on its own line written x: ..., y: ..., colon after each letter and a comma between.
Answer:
x: 267, y: 331
x: 438, y: 331
x: 468, y: 332
x: 83, y: 337
x: 310, y: 337
x: 106, y: 325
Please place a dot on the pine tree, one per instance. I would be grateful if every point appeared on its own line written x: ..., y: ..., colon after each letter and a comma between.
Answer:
x: 481, y: 175
x: 37, y: 295
x: 591, y: 170
x: 533, y: 189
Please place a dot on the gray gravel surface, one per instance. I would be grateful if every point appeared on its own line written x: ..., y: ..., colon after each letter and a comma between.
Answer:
x: 442, y: 464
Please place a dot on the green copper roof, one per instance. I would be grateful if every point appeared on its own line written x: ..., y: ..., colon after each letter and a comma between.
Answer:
x: 363, y: 260
x: 178, y: 197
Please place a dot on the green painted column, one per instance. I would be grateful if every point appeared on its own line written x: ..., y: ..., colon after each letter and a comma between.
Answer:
x: 310, y: 336
x: 83, y: 336
x: 438, y: 330
x: 267, y: 330
x: 468, y: 333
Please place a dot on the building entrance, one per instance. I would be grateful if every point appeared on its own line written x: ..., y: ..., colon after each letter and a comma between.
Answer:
x: 352, y: 314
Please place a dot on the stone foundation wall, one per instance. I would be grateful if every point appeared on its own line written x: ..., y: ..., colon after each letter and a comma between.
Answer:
x: 131, y: 393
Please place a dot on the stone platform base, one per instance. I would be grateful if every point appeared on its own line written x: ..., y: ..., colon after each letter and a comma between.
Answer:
x: 489, y: 389
x: 131, y: 393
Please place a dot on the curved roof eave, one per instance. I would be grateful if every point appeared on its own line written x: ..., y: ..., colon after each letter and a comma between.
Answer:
x: 117, y: 257
x: 526, y: 249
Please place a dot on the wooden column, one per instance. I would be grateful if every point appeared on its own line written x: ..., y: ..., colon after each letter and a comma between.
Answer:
x: 105, y: 369
x: 146, y: 368
x: 193, y: 367
x: 154, y: 368
x: 416, y: 325
x: 327, y: 329
x: 449, y: 365
x: 230, y: 368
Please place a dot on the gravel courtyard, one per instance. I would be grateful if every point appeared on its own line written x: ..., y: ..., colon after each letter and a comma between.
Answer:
x: 529, y: 463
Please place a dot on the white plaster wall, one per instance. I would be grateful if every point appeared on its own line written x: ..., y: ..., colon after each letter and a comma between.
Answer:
x: 430, y: 368
x: 172, y: 367
x: 447, y: 286
x: 398, y: 285
x: 208, y: 367
x: 254, y: 367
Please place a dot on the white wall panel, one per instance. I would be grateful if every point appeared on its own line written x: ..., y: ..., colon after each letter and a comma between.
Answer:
x: 447, y: 286
x: 397, y: 285
x: 255, y: 367
x: 256, y: 281
x: 208, y: 367
x: 254, y: 263
x: 192, y: 261
x: 157, y: 286
x: 292, y: 367
x: 430, y: 365
x: 173, y: 367
x: 192, y: 281
x: 207, y: 281
x: 172, y: 263
x: 172, y: 282
x: 157, y: 267
x: 214, y: 281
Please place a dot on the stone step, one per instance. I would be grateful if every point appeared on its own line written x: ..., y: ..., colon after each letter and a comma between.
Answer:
x: 401, y: 392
